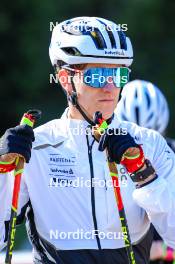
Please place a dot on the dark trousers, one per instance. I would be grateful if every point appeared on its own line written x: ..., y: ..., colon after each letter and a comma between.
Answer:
x: 104, y: 256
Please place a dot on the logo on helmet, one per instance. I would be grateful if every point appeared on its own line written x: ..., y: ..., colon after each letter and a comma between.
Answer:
x: 115, y: 53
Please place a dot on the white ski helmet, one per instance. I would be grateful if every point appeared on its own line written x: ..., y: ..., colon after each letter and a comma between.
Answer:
x: 144, y: 104
x: 90, y: 40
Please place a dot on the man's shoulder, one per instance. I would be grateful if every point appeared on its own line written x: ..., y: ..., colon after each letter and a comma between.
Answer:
x: 141, y: 134
x: 50, y: 125
x: 51, y: 133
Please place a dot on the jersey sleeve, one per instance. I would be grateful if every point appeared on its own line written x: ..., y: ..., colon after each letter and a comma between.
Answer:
x: 158, y: 197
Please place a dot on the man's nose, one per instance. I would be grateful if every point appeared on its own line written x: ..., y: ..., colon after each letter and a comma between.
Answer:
x: 109, y: 84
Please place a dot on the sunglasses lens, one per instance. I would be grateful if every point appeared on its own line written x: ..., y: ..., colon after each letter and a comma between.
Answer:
x: 93, y: 77
x: 121, y: 76
x: 99, y: 77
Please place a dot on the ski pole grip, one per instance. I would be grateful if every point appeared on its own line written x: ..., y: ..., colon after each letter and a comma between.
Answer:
x: 30, y: 117
x: 100, y: 125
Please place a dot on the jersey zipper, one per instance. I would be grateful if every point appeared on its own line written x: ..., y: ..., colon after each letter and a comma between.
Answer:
x: 93, y: 191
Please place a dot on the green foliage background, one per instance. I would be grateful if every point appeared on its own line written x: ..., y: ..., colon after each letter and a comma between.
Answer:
x: 25, y: 36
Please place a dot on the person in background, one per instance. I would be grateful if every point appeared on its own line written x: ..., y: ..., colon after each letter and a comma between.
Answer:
x: 144, y: 104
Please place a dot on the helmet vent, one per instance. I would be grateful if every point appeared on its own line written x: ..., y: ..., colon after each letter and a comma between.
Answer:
x: 124, y: 118
x: 137, y: 115
x: 150, y: 117
x: 148, y: 99
x: 72, y: 51
x: 122, y: 38
x: 98, y: 39
x: 112, y: 39
x: 110, y: 34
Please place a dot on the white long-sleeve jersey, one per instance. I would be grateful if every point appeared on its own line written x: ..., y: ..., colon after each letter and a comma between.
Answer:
x: 67, y: 209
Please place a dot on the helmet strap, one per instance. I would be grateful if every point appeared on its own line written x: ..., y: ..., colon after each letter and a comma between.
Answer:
x: 120, y: 94
x: 74, y: 101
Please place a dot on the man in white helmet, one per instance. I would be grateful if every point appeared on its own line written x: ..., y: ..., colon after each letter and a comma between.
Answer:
x: 72, y: 213
x: 143, y: 103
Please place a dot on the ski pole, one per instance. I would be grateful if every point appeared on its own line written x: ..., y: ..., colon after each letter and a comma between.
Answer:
x: 29, y: 119
x: 101, y: 126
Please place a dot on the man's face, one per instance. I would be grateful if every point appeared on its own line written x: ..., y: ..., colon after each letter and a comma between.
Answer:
x: 96, y: 99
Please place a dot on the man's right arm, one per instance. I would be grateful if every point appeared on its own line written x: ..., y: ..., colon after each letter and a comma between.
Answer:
x: 15, y: 142
x: 6, y: 190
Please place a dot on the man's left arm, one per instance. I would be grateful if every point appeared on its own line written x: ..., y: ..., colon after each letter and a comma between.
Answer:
x: 158, y: 196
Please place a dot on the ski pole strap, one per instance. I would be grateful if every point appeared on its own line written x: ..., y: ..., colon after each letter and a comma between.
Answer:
x: 103, y: 125
x: 27, y: 119
x: 6, y: 167
x: 134, y: 163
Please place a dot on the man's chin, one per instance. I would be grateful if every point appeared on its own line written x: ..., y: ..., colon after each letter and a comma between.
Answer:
x: 106, y: 115
x: 107, y: 111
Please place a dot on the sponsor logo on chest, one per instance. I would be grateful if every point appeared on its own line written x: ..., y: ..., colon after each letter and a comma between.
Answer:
x: 61, y: 170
